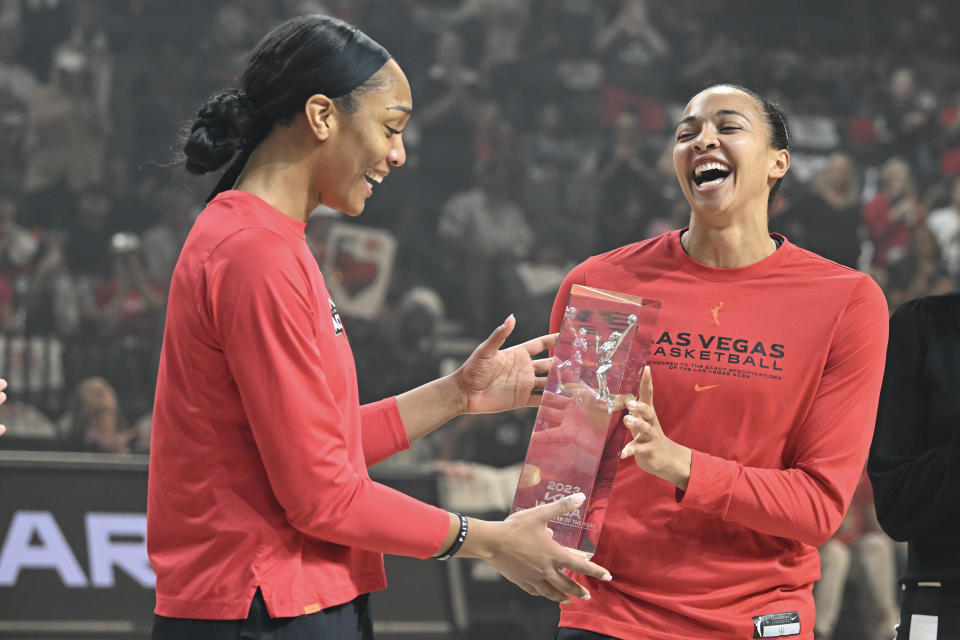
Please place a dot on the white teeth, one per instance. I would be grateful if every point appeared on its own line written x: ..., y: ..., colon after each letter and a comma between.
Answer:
x: 706, y: 166
x: 374, y: 177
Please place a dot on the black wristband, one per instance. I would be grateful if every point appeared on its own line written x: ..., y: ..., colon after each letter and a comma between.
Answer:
x: 461, y: 536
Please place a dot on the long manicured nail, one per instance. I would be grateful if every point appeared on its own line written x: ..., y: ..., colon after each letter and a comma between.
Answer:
x: 578, y: 498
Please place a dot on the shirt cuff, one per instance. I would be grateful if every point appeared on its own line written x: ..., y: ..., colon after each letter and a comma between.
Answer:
x: 710, y: 487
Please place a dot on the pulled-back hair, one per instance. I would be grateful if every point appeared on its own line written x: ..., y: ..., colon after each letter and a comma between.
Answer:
x: 776, y: 118
x: 302, y: 57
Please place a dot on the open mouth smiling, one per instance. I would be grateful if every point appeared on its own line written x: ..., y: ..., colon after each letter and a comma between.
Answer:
x: 711, y: 173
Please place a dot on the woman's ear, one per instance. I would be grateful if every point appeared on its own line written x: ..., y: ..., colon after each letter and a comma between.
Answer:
x: 780, y: 163
x: 321, y: 115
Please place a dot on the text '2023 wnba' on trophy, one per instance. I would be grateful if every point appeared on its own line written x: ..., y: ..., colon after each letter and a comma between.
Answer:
x: 576, y: 441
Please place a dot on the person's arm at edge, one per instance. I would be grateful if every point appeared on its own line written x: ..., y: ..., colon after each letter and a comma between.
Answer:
x: 915, y: 485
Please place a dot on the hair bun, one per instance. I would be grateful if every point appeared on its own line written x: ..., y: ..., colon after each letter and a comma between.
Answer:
x: 222, y: 127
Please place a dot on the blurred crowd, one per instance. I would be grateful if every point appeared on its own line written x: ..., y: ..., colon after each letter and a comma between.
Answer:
x: 542, y: 134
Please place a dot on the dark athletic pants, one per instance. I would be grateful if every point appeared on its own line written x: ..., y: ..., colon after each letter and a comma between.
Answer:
x: 349, y: 621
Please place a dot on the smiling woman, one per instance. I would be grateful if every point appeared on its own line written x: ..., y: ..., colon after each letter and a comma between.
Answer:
x: 260, y: 511
x: 768, y: 368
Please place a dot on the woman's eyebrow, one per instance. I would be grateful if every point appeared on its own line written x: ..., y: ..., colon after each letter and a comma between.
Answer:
x: 721, y: 112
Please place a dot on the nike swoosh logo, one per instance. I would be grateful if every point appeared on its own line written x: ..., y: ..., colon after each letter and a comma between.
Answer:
x: 697, y: 387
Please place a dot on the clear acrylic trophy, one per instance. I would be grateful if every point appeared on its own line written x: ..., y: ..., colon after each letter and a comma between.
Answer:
x: 578, y: 435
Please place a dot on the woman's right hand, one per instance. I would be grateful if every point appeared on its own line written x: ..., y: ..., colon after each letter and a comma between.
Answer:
x: 522, y: 549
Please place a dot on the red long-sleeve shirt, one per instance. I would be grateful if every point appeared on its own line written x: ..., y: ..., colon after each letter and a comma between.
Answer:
x: 259, y: 447
x: 770, y: 373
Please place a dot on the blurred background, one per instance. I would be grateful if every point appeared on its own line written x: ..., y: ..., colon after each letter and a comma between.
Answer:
x: 542, y: 134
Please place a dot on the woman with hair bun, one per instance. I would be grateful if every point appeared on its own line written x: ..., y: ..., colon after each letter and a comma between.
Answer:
x: 261, y: 516
x: 768, y: 361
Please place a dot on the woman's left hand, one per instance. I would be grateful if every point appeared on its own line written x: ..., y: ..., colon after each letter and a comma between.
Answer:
x: 653, y: 451
x: 494, y: 379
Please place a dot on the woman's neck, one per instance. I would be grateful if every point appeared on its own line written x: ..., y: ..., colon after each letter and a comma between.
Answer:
x: 728, y: 247
x: 276, y: 178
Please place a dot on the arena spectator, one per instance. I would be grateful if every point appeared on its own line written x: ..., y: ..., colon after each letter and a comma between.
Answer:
x: 905, y: 111
x: 893, y: 213
x: 554, y: 170
x: 484, y: 232
x: 70, y: 119
x: 632, y: 47
x: 88, y: 247
x: 26, y: 421
x: 59, y: 300
x: 826, y: 217
x: 18, y: 86
x: 161, y: 242
x: 945, y: 225
x: 626, y: 182
x: 18, y: 245
x: 129, y: 302
x: 94, y: 422
x: 446, y: 116
x: 501, y: 25
x: 917, y: 270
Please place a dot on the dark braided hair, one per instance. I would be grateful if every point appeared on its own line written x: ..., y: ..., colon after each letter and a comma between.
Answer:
x: 221, y: 128
x: 302, y: 57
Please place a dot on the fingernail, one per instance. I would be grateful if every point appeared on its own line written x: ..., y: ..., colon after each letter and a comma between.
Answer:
x: 606, y: 577
x: 567, y: 601
x: 585, y: 596
x: 507, y: 320
x: 578, y: 498
x: 624, y: 453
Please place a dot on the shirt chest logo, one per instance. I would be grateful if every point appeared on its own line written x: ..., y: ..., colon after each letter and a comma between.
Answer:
x: 337, y: 323
x: 715, y: 312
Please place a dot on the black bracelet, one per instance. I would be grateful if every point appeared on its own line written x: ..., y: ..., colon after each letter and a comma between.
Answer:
x: 461, y: 536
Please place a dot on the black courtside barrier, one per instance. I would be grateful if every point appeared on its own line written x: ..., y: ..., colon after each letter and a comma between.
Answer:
x: 73, y: 560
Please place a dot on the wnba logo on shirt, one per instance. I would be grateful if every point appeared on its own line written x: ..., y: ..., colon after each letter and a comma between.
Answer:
x: 337, y: 323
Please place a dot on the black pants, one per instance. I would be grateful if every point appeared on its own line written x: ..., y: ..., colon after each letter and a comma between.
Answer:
x: 564, y: 633
x: 349, y: 621
x: 941, y: 604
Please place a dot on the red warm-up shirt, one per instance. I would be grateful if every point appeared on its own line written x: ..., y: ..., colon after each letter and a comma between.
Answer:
x: 770, y: 373
x: 260, y: 448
